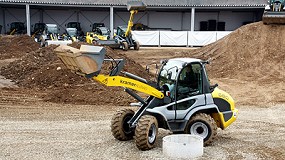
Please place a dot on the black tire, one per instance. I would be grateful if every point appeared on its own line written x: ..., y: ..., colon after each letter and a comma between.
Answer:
x: 125, y: 46
x: 94, y: 42
x: 146, y: 132
x: 43, y: 43
x: 203, y: 125
x: 119, y: 126
x: 137, y: 46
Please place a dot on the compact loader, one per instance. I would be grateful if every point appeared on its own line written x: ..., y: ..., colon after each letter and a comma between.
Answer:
x: 180, y: 100
x: 274, y: 12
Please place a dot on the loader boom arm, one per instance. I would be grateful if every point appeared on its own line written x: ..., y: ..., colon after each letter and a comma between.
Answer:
x: 130, y: 23
x: 128, y: 83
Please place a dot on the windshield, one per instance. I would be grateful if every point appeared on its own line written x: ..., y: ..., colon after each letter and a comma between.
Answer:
x: 52, y: 29
x: 168, y: 73
x: 17, y: 26
x: 104, y: 31
x: 71, y: 32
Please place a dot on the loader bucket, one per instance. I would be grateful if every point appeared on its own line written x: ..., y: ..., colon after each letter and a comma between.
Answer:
x: 136, y: 5
x: 270, y: 17
x: 86, y: 61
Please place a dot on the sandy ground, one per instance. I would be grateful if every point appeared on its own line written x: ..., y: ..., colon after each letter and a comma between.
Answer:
x: 40, y: 130
x: 33, y: 129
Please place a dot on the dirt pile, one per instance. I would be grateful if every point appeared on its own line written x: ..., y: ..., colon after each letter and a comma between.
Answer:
x: 252, y: 52
x: 16, y: 46
x: 42, y: 70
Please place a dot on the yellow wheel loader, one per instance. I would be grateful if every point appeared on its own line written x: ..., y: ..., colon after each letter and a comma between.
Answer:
x: 180, y: 100
x: 274, y: 12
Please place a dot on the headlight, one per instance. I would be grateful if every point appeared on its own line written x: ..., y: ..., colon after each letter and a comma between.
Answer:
x: 267, y: 7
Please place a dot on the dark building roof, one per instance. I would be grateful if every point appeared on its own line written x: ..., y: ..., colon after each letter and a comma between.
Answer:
x: 150, y: 3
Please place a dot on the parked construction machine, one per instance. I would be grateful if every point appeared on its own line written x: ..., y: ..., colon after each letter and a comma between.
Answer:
x: 77, y: 26
x: 50, y: 36
x: 274, y: 12
x: 38, y: 29
x: 123, y: 38
x: 180, y: 100
x: 99, y: 32
x: 70, y: 34
x: 17, y: 28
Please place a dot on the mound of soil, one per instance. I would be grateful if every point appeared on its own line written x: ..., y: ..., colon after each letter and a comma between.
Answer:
x: 16, y: 46
x: 42, y: 70
x: 253, y: 52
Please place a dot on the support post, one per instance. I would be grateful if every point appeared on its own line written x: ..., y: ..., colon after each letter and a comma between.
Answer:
x: 111, y: 21
x: 192, y: 19
x: 28, y: 18
x: 4, y: 21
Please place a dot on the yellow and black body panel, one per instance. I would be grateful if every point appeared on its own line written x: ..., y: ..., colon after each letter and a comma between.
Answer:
x: 227, y: 112
x: 91, y: 36
x: 128, y: 83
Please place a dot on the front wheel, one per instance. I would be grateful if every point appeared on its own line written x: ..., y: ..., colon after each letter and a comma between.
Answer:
x: 146, y: 132
x: 119, y: 125
x: 202, y: 125
x: 125, y: 46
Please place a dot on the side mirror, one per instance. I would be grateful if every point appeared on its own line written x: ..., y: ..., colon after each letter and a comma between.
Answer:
x: 212, y: 88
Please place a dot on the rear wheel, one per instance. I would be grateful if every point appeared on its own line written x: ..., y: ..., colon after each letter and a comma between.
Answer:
x: 119, y: 126
x: 146, y: 132
x: 137, y: 46
x: 202, y: 125
x: 125, y: 46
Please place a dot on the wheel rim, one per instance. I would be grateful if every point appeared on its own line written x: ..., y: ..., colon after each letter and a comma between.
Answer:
x: 126, y: 126
x: 152, y: 133
x: 200, y: 129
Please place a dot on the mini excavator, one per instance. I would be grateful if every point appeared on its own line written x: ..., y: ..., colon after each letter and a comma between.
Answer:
x: 173, y: 102
x: 274, y: 12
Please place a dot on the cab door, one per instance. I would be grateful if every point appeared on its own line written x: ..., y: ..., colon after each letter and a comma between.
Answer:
x: 189, y: 92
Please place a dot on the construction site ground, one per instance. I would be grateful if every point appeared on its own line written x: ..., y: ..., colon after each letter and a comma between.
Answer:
x: 47, y: 112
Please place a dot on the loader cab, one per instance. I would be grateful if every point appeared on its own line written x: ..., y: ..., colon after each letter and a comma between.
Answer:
x: 38, y: 28
x: 121, y: 30
x: 181, y: 78
x: 17, y: 28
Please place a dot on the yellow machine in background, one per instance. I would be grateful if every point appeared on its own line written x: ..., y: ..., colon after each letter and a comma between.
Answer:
x: 92, y: 37
x: 274, y: 12
x: 123, y: 37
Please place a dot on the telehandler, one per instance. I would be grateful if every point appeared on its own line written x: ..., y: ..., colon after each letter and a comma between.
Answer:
x: 180, y: 100
x: 123, y: 38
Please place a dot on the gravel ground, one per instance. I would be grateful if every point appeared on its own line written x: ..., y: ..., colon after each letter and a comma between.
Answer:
x: 41, y: 130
